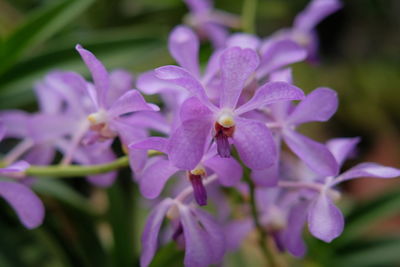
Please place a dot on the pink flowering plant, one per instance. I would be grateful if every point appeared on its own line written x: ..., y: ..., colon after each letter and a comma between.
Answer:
x: 213, y: 146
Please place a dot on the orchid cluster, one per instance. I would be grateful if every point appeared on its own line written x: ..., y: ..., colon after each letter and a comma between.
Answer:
x: 220, y: 129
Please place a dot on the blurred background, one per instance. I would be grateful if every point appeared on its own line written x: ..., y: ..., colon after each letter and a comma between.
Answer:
x: 86, y: 226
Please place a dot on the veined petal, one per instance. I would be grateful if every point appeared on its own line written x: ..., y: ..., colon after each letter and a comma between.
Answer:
x: 315, y: 12
x: 197, y: 248
x: 193, y: 108
x: 315, y: 155
x: 121, y: 81
x: 154, y: 176
x: 319, y: 105
x: 325, y: 220
x: 255, y: 144
x: 99, y: 74
x: 129, y: 102
x: 183, y: 45
x: 181, y: 77
x: 237, y: 65
x: 368, y: 169
x: 280, y: 54
x: 27, y: 205
x: 269, y: 93
x: 187, y: 144
x: 216, y: 33
x: 228, y: 170
x: 341, y: 148
x: 149, y: 84
x: 151, y: 231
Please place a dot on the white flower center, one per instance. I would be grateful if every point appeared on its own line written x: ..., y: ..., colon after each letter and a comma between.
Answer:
x: 226, y: 119
x: 98, y: 117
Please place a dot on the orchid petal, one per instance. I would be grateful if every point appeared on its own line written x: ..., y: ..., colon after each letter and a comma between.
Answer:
x: 129, y: 102
x: 121, y: 81
x: 183, y: 45
x: 17, y: 167
x: 151, y: 231
x: 319, y: 105
x: 154, y: 176
x: 187, y: 144
x: 368, y: 169
x: 216, y: 33
x: 237, y: 65
x: 193, y: 108
x: 280, y: 54
x: 325, y: 220
x: 314, y: 154
x: 341, y: 148
x: 27, y: 205
x: 16, y: 123
x: 228, y: 170
x: 269, y: 93
x: 315, y: 12
x: 255, y: 144
x: 181, y: 77
x: 149, y: 84
x: 267, y: 177
x: 99, y: 74
x: 196, y: 6
x: 243, y: 40
x: 151, y: 143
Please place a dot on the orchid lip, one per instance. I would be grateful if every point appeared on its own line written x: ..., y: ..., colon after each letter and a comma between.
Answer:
x: 199, y: 191
x: 98, y: 117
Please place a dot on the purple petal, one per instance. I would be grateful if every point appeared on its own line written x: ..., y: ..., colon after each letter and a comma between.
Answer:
x: 129, y: 102
x: 16, y: 122
x: 268, y: 177
x: 228, y: 170
x: 319, y: 105
x: 368, y: 169
x: 325, y: 220
x: 255, y: 144
x: 283, y: 75
x: 243, y: 40
x: 314, y: 154
x: 99, y: 74
x: 236, y: 232
x: 269, y: 93
x: 341, y: 148
x: 121, y: 81
x: 149, y: 84
x: 236, y: 67
x: 184, y: 47
x: 15, y: 168
x: 27, y: 205
x: 153, y: 178
x: 292, y: 235
x: 99, y: 157
x: 215, y: 236
x: 151, y: 231
x: 197, y: 248
x: 186, y: 145
x: 217, y: 34
x: 41, y: 154
x: 2, y: 131
x: 280, y: 54
x: 47, y: 127
x: 155, y: 143
x: 181, y: 77
x: 193, y: 108
x: 315, y: 12
x: 197, y: 6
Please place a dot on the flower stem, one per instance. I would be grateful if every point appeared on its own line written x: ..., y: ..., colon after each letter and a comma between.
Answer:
x: 269, y: 255
x: 59, y: 171
x: 249, y: 15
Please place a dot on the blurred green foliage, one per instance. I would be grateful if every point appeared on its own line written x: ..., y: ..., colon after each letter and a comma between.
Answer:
x: 84, y: 226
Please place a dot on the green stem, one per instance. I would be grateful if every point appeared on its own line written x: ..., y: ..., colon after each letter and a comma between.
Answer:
x: 249, y: 16
x: 59, y: 171
x: 270, y: 257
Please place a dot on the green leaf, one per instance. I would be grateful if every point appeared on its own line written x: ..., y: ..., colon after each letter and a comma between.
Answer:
x: 381, y: 252
x: 168, y: 255
x: 38, y: 28
x: 368, y: 214
x: 60, y: 191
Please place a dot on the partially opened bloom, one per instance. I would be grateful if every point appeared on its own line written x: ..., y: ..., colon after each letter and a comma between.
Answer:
x: 303, y: 31
x: 202, y: 119
x: 210, y: 23
x: 193, y: 229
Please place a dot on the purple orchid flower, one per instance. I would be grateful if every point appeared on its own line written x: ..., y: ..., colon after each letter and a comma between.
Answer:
x: 210, y: 23
x: 303, y: 31
x: 194, y: 229
x: 199, y: 115
x: 22, y: 199
x: 159, y: 169
x: 325, y: 220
